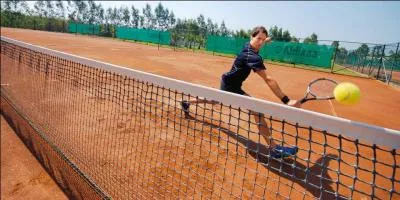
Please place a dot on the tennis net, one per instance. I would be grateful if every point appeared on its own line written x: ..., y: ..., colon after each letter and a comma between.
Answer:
x: 105, y: 131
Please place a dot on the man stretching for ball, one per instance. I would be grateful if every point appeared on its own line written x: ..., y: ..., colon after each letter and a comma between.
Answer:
x: 247, y: 60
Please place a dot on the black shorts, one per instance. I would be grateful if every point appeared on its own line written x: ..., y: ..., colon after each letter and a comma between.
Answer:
x: 231, y: 88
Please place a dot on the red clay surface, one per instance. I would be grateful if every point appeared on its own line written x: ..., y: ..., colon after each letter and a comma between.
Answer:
x: 22, y: 177
x: 380, y: 103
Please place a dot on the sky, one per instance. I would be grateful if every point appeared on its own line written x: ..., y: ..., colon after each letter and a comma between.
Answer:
x: 359, y: 21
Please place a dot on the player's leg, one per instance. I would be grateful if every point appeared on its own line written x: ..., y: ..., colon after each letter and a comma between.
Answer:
x: 277, y: 151
x: 186, y: 104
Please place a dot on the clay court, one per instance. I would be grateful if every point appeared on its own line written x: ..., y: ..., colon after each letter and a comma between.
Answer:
x: 378, y: 107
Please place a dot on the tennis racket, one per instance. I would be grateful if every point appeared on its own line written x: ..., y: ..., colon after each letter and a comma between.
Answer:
x: 319, y: 89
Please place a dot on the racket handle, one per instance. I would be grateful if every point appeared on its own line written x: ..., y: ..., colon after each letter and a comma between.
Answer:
x: 303, y: 100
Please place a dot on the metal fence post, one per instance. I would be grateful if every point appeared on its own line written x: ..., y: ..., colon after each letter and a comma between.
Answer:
x: 334, y: 58
x: 396, y: 58
x: 371, y: 62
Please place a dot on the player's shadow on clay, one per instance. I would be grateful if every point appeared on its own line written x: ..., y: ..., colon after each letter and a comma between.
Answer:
x: 315, y: 178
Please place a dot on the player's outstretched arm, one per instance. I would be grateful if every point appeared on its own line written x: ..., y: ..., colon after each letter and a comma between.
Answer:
x: 273, y: 85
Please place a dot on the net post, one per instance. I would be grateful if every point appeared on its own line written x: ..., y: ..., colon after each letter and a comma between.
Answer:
x: 159, y: 40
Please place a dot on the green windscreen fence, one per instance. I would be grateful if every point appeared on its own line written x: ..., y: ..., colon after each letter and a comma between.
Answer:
x: 392, y: 64
x: 288, y: 52
x: 228, y: 45
x: 89, y: 29
x: 299, y: 53
x: 143, y: 35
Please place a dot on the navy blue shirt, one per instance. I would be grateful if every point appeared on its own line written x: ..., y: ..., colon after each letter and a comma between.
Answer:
x: 247, y: 60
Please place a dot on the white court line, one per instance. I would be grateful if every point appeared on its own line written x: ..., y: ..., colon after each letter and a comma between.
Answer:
x: 332, y: 108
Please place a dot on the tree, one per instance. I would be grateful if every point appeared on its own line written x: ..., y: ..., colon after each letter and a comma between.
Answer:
x: 148, y: 17
x: 202, y: 30
x: 125, y: 15
x: 171, y: 20
x: 216, y: 29
x: 341, y: 55
x: 96, y: 13
x: 40, y: 9
x: 286, y: 36
x: 135, y: 17
x: 60, y: 10
x: 394, y: 57
x: 50, y: 9
x: 115, y: 17
x: 81, y: 13
x: 141, y: 21
x: 294, y: 39
x: 108, y: 15
x: 335, y: 44
x: 223, y: 30
x: 92, y: 12
x: 242, y: 34
x: 6, y: 5
x: 278, y: 34
x: 161, y: 16
x: 313, y: 39
x: 13, y: 13
x: 72, y: 12
x: 363, y: 50
x: 274, y: 33
x: 192, y: 32
x: 100, y: 14
x: 202, y: 24
x: 15, y: 6
x: 210, y: 27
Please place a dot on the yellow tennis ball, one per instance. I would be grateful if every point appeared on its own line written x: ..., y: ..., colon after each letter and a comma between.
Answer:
x: 347, y: 93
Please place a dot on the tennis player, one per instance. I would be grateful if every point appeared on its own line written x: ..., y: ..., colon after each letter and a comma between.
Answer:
x: 247, y: 60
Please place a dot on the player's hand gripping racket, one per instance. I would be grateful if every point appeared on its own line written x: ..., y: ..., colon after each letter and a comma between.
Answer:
x: 319, y: 89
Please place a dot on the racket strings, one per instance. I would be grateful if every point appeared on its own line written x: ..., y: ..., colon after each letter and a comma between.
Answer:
x: 322, y: 88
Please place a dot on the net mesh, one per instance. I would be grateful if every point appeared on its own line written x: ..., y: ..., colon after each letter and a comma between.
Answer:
x: 131, y: 139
